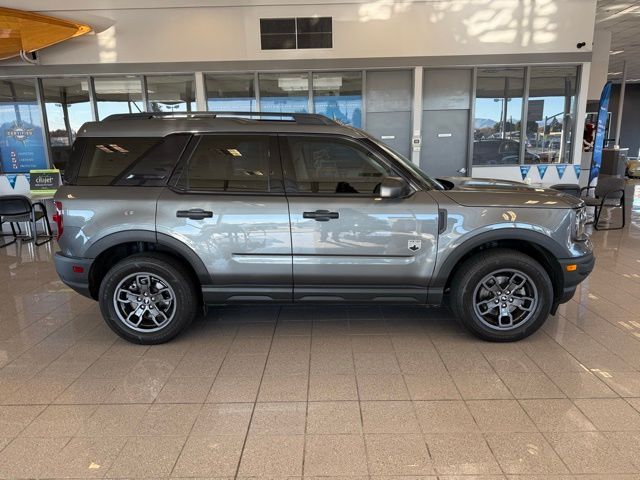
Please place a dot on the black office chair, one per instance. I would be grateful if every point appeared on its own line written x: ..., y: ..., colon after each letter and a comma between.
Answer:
x: 609, y: 192
x: 18, y: 208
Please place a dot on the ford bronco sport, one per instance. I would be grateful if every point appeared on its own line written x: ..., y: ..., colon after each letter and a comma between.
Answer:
x: 163, y: 214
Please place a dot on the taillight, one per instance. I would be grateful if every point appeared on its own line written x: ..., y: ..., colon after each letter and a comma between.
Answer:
x: 57, y: 217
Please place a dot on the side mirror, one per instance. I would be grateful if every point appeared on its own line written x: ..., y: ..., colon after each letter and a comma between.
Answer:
x: 394, y: 187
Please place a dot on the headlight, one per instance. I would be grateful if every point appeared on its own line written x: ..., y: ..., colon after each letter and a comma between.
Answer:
x: 579, y: 228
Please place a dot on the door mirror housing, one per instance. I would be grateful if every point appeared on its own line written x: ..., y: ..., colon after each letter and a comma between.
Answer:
x: 394, y: 187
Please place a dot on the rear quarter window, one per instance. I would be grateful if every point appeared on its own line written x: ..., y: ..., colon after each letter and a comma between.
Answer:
x: 104, y: 159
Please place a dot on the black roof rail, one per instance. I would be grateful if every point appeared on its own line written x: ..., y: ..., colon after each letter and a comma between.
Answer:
x: 301, y: 118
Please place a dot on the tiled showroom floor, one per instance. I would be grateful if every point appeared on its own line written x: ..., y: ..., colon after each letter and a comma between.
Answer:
x: 315, y: 392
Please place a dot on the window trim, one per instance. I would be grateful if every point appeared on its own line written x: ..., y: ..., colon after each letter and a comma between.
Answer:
x: 291, y: 181
x: 276, y: 180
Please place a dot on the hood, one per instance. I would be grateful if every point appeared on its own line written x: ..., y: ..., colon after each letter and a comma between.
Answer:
x: 485, y: 192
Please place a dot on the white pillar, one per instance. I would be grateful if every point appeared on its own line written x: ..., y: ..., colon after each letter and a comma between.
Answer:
x: 201, y: 93
x: 599, y: 63
x: 416, y: 114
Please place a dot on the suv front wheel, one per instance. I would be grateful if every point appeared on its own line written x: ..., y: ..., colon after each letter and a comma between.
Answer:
x: 148, y: 298
x: 501, y: 295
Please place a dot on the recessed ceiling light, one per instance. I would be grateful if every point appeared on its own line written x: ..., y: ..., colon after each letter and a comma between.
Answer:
x: 615, y: 52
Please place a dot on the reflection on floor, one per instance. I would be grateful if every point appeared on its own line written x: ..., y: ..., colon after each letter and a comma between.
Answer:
x: 336, y: 391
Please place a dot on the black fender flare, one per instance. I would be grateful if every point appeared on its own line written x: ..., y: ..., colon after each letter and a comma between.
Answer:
x: 443, y: 270
x: 148, y: 236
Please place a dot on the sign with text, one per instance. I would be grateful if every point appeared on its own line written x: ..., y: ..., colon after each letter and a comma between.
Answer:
x: 22, y: 146
x: 44, y: 180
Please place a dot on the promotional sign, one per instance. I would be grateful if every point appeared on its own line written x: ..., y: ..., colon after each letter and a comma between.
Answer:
x: 535, y: 110
x: 524, y: 171
x: 598, y: 142
x: 542, y: 169
x: 44, y: 181
x: 561, y: 169
x: 22, y: 145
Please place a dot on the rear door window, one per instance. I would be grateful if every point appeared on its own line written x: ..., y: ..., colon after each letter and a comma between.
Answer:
x: 105, y: 159
x: 229, y: 163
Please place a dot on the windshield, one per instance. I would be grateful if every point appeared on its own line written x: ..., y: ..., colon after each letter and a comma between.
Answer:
x: 423, y: 178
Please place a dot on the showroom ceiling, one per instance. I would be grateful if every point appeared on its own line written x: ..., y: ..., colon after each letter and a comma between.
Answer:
x: 622, y: 18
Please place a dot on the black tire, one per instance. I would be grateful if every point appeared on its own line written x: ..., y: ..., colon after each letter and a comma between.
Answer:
x: 181, y: 311
x: 469, y: 277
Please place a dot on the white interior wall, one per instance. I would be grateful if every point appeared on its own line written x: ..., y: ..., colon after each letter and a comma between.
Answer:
x: 170, y: 31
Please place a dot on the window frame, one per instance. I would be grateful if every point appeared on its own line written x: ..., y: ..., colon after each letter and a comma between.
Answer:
x: 275, y: 180
x: 291, y: 186
x: 296, y: 33
x: 524, y: 111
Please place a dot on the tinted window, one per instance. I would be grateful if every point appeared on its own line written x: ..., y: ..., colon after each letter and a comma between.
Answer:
x: 314, y: 32
x: 326, y: 166
x: 154, y: 168
x: 277, y: 33
x: 291, y: 33
x: 228, y: 163
x: 104, y: 159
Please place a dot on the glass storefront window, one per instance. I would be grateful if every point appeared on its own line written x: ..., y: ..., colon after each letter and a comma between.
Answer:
x: 171, y: 93
x: 118, y: 95
x: 22, y: 146
x: 551, y: 113
x: 68, y: 106
x: 284, y: 92
x: 339, y: 96
x: 498, y: 112
x: 231, y: 92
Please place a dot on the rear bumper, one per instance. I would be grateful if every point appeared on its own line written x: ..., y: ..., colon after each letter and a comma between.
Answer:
x: 77, y: 280
x: 571, y: 279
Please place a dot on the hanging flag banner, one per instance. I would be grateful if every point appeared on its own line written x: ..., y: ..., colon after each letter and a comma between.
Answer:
x: 576, y: 168
x: 12, y: 177
x: 524, y: 171
x: 561, y: 169
x: 542, y: 169
x: 598, y: 142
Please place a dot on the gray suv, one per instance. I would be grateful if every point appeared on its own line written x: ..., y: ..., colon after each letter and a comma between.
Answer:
x: 161, y: 215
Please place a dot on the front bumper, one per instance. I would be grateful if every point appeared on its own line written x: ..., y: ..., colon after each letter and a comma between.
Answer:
x: 571, y: 279
x: 74, y: 272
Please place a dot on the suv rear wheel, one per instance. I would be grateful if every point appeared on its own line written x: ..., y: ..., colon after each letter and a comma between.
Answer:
x: 148, y: 298
x: 501, y: 295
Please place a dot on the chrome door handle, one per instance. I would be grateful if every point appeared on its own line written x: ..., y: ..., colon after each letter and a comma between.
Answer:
x: 194, y: 214
x: 321, y: 215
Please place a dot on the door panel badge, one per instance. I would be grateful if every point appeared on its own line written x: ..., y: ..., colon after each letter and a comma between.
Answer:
x: 414, y: 245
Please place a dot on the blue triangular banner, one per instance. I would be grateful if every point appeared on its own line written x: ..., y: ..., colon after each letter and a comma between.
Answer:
x: 524, y: 171
x: 27, y: 177
x: 12, y: 177
x: 561, y: 169
x: 576, y: 168
x: 542, y: 169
